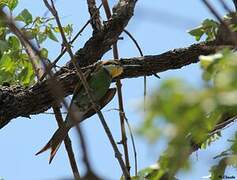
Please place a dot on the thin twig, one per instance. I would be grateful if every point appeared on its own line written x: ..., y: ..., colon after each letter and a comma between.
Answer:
x: 133, y: 144
x: 222, y: 125
x: 134, y: 41
x: 141, y: 54
x: 53, y: 10
x: 225, y: 6
x: 87, y: 89
x: 145, y: 86
x: 90, y: 171
x: 120, y: 98
x: 214, y: 12
x: 218, y: 16
x: 235, y: 3
x: 133, y: 67
x: 34, y: 53
x: 53, y: 64
x: 67, y: 143
x: 132, y: 139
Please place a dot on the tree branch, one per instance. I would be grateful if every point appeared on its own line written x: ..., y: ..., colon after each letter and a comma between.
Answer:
x: 95, y: 16
x: 16, y: 101
x: 235, y: 3
x: 120, y: 98
x: 102, y: 41
x: 67, y: 143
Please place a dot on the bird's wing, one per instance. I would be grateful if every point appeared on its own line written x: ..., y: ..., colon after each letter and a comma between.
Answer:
x: 79, y: 85
x: 88, y: 74
x: 103, y: 102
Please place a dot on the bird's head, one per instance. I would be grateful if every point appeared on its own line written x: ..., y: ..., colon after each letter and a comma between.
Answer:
x: 114, y: 67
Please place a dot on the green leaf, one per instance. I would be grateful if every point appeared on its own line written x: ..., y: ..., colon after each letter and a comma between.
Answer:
x: 11, y: 4
x: 197, y: 33
x: 50, y: 34
x: 44, y: 53
x: 16, y: 72
x: 26, y: 76
x: 7, y: 69
x: 2, y: 32
x: 56, y: 29
x: 14, y: 42
x: 205, y: 61
x: 42, y: 36
x: 7, y: 64
x: 68, y: 30
x: 3, y: 46
x: 208, y: 27
x: 25, y: 16
x: 209, y: 140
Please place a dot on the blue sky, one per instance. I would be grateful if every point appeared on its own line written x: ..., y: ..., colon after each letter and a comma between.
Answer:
x: 158, y: 26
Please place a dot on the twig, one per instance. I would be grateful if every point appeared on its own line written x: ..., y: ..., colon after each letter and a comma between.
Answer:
x: 222, y: 125
x: 123, y: 130
x: 225, y: 6
x: 34, y: 53
x: 56, y: 109
x: 53, y: 64
x: 134, y: 41
x: 87, y: 89
x: 145, y: 87
x: 141, y: 54
x: 53, y: 10
x: 19, y: 101
x: 67, y: 143
x: 132, y: 139
x: 235, y: 3
x: 214, y: 12
x: 120, y: 98
x: 218, y: 16
x: 133, y: 144
x: 89, y: 170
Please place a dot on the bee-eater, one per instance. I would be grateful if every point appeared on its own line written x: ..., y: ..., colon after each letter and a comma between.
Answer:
x: 99, y: 81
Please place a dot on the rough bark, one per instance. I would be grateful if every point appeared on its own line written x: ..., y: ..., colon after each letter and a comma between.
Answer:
x: 101, y: 41
x: 18, y: 101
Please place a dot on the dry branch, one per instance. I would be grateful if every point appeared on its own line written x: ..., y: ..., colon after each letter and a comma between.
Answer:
x: 19, y: 101
x: 102, y: 41
x: 95, y: 16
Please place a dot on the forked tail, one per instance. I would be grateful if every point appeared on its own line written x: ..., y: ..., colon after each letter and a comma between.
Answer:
x: 55, y: 142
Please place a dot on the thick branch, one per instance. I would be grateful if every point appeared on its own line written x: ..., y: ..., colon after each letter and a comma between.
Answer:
x: 102, y: 41
x: 174, y: 59
x: 17, y: 101
x: 95, y: 16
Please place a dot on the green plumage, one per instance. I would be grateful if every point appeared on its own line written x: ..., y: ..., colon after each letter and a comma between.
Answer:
x: 81, y: 108
x: 99, y: 83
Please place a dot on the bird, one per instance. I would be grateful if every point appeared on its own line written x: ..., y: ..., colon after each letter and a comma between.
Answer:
x: 99, y: 80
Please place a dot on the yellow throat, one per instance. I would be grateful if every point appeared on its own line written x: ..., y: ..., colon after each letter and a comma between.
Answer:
x: 114, y: 68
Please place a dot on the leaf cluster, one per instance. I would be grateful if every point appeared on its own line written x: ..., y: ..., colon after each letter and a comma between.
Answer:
x: 15, y: 65
x: 190, y: 114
